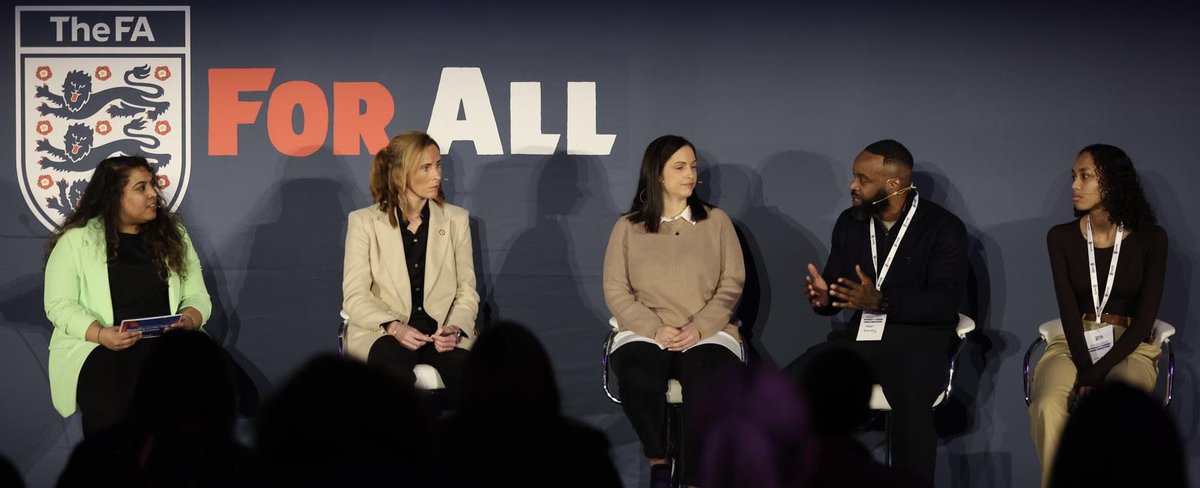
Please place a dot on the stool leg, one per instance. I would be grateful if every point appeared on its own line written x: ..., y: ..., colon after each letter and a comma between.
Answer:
x: 887, y: 433
x: 675, y: 444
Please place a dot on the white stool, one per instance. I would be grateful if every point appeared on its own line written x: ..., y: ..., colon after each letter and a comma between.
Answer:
x: 879, y: 401
x: 1051, y: 329
x: 427, y: 376
x: 674, y: 401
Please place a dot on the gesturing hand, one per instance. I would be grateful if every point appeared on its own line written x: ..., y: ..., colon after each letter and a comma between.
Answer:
x: 817, y: 291
x: 408, y: 336
x: 856, y: 296
x: 114, y: 339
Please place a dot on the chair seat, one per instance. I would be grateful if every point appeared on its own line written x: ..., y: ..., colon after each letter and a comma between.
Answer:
x: 428, y: 378
x: 880, y: 402
x: 1053, y: 328
x: 674, y: 392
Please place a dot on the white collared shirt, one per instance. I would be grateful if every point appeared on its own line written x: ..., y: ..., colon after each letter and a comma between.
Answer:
x: 686, y: 214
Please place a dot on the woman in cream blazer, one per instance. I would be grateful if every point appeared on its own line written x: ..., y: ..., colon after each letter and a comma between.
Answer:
x: 408, y: 283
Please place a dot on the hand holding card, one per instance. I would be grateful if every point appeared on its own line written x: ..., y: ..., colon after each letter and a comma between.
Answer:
x: 150, y: 326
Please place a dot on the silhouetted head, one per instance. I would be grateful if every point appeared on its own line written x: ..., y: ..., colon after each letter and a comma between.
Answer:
x: 185, y: 388
x: 752, y: 423
x: 1119, y: 436
x: 508, y: 378
x: 9, y: 476
x: 340, y: 421
x: 837, y: 384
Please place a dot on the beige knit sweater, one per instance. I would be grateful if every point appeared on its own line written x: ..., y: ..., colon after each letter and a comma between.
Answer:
x: 685, y: 273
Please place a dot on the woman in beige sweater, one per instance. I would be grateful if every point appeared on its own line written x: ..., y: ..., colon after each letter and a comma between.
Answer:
x: 673, y: 274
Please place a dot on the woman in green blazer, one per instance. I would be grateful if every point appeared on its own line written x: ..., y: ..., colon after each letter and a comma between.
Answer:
x: 119, y: 256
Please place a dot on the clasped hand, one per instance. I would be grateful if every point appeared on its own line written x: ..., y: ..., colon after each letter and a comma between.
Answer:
x: 444, y: 339
x: 677, y: 339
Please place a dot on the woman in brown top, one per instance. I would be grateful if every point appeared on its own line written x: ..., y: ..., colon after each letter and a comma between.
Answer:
x: 1107, y: 319
x: 673, y: 274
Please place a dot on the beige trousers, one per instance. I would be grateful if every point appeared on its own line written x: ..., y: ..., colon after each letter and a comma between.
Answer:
x: 1053, y: 380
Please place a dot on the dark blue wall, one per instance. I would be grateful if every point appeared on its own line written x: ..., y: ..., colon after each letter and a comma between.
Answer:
x: 993, y: 101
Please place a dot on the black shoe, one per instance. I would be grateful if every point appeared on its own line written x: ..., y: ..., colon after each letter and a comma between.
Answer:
x: 660, y: 476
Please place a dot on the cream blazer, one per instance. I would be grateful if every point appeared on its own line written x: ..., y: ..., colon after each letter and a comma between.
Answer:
x: 375, y: 285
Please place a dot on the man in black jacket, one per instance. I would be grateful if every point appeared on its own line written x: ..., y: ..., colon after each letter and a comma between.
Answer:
x: 899, y: 263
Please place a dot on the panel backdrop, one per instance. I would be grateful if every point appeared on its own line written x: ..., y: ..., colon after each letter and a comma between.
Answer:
x: 263, y: 117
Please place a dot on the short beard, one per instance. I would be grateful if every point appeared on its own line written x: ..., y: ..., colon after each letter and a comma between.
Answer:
x: 870, y: 207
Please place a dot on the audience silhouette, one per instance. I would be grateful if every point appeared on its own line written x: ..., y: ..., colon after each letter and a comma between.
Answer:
x: 753, y: 425
x: 509, y: 429
x: 837, y: 383
x: 1119, y: 436
x: 179, y: 427
x: 340, y: 422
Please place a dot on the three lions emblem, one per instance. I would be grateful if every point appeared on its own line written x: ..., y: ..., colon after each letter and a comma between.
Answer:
x: 77, y: 112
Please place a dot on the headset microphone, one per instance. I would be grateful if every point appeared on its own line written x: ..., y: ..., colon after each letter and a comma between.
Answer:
x: 897, y: 192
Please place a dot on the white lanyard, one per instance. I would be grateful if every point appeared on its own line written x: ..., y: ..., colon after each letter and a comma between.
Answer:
x: 1112, y: 268
x: 880, y: 274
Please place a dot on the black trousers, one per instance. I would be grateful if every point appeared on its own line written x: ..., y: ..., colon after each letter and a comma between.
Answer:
x: 390, y: 355
x: 912, y: 365
x: 643, y: 370
x: 107, y: 383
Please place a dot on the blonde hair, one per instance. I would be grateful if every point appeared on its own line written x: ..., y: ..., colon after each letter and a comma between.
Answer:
x: 390, y: 170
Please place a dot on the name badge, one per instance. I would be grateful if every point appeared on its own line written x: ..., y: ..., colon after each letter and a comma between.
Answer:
x: 1099, y: 342
x: 870, y: 328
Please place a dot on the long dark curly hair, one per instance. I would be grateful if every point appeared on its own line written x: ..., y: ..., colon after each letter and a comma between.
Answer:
x: 647, y: 205
x: 102, y: 199
x: 1120, y: 188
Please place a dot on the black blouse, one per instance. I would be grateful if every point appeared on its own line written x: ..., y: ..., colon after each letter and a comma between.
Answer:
x: 1136, y: 292
x: 415, y: 247
x: 135, y: 286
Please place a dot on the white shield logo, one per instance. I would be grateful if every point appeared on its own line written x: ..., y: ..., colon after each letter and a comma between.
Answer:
x: 78, y: 108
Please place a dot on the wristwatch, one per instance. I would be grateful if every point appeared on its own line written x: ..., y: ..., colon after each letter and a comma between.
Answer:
x: 883, y: 303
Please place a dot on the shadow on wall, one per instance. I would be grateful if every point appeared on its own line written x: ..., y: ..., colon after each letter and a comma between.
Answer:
x: 550, y: 279
x: 287, y: 307
x: 1022, y: 242
x: 26, y: 333
x: 223, y: 326
x: 975, y: 379
x: 775, y: 246
x: 1178, y: 295
x: 451, y: 185
x: 805, y: 190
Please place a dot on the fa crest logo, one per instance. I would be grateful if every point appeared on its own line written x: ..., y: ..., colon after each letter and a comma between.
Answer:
x: 88, y: 93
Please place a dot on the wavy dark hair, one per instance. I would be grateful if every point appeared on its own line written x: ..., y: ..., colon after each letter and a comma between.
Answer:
x: 647, y: 206
x: 102, y: 199
x: 1120, y: 188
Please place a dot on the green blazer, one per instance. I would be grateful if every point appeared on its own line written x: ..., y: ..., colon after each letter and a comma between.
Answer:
x: 77, y: 294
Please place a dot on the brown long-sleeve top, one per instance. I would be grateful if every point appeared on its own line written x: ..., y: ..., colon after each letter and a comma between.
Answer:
x: 685, y: 273
x: 1136, y: 293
